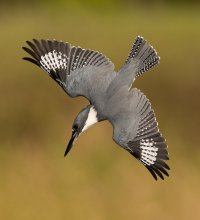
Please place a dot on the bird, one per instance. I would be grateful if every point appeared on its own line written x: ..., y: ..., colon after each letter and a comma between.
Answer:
x: 111, y: 95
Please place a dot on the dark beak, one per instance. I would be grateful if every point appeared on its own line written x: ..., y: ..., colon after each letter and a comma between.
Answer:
x: 70, y: 144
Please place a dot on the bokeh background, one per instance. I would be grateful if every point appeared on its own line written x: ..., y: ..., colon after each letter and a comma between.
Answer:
x: 98, y: 180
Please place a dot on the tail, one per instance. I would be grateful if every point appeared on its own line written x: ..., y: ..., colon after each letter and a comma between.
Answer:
x: 142, y: 56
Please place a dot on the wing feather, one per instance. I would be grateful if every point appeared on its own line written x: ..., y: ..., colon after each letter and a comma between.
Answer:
x: 136, y: 130
x: 149, y: 141
x: 61, y: 60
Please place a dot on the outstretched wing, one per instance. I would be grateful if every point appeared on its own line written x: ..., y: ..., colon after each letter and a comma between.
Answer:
x: 73, y: 68
x: 139, y: 134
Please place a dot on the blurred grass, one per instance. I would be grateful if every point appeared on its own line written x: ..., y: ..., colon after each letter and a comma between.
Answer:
x: 97, y: 180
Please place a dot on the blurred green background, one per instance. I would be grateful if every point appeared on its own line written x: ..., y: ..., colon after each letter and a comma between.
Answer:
x: 98, y: 180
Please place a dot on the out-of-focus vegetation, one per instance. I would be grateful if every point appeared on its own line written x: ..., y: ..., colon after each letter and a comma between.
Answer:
x: 97, y: 180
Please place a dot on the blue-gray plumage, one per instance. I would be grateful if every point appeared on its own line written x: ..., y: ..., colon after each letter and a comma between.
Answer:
x: 88, y: 73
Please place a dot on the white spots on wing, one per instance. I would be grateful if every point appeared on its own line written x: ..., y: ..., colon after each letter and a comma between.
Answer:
x: 54, y: 60
x: 149, y: 124
x: 75, y: 63
x: 55, y: 55
x: 148, y: 151
x: 91, y: 119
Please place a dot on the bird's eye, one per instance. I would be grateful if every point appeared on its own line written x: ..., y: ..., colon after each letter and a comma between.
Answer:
x: 74, y: 127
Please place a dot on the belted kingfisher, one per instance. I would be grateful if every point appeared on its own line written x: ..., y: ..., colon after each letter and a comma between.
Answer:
x: 88, y: 73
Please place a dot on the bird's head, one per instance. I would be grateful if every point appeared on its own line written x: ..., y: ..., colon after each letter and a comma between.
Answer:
x: 86, y: 118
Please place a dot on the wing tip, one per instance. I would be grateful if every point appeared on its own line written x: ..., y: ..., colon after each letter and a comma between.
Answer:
x: 31, y: 60
x: 157, y: 171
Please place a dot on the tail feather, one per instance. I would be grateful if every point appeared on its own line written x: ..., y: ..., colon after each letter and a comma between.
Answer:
x: 144, y: 55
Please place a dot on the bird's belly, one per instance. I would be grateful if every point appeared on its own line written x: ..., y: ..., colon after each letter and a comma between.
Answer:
x: 124, y: 129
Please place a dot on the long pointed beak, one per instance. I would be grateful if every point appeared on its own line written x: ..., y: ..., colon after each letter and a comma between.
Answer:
x: 71, y: 142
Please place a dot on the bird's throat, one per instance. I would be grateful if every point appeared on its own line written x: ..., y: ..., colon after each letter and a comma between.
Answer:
x: 91, y: 119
